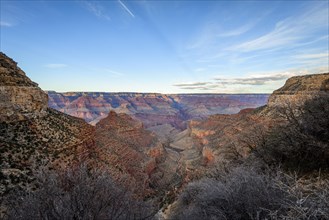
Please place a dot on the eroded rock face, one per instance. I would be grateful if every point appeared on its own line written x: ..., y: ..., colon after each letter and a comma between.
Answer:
x: 33, y: 135
x: 19, y: 96
x: 299, y: 89
x: 152, y: 109
x: 125, y: 148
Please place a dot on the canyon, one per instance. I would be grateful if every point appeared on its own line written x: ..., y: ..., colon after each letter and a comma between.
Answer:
x: 155, y: 110
x: 153, y: 144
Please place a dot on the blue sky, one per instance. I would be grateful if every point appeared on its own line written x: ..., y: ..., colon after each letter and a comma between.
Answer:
x: 166, y: 46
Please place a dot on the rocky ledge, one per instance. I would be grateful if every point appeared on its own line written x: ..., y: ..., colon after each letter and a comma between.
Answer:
x: 299, y: 89
x: 20, y: 97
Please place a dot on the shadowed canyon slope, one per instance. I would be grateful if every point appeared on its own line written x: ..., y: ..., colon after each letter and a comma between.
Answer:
x: 151, y: 108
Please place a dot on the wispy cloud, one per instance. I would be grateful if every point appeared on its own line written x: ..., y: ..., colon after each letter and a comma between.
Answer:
x: 289, y: 31
x: 212, y: 32
x: 313, y: 56
x: 189, y: 84
x: 126, y: 8
x: 55, y: 65
x: 255, y: 79
x: 238, y: 31
x: 5, y: 24
x: 261, y: 82
x: 97, y: 9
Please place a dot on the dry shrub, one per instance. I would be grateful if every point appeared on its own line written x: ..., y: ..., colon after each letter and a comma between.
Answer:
x: 76, y: 194
x: 244, y: 193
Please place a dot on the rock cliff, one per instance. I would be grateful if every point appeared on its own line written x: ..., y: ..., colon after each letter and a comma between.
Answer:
x: 33, y: 135
x: 20, y: 97
x: 299, y: 89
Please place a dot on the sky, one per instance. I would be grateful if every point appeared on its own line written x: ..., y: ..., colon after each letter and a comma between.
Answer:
x: 165, y: 46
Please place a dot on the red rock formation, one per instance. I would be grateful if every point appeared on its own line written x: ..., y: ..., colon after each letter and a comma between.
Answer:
x: 123, y: 144
x: 151, y: 108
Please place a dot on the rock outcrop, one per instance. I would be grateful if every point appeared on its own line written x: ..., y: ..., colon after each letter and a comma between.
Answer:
x: 299, y: 89
x: 20, y: 97
x: 126, y: 149
x: 33, y: 135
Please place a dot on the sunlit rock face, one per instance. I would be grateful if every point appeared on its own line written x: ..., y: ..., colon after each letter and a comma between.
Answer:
x: 20, y: 97
x: 33, y: 135
x: 299, y: 89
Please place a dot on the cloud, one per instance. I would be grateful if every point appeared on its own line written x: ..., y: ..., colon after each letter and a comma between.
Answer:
x: 313, y: 56
x: 255, y: 79
x: 126, y: 9
x: 198, y: 88
x: 289, y: 31
x: 238, y: 31
x: 55, y: 65
x: 263, y: 82
x: 205, y: 86
x: 191, y: 84
x: 97, y: 9
x: 212, y: 32
x: 5, y: 24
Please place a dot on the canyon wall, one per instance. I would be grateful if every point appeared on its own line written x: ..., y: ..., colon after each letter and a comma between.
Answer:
x: 152, y: 109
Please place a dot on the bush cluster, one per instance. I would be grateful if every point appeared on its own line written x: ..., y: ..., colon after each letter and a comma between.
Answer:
x: 244, y: 193
x: 76, y: 194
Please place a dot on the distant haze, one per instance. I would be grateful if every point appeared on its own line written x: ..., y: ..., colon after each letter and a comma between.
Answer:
x: 166, y: 46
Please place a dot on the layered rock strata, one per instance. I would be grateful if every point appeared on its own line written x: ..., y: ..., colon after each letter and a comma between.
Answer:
x: 151, y: 108
x: 20, y: 97
x: 33, y: 135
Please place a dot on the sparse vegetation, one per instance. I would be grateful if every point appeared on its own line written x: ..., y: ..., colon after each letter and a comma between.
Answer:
x: 244, y: 193
x: 301, y: 144
x: 286, y: 176
x: 77, y: 193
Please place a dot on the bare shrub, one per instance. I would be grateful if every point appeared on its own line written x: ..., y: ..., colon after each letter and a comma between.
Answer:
x: 308, y: 198
x: 76, y: 194
x: 239, y: 194
x: 244, y: 193
x: 303, y: 142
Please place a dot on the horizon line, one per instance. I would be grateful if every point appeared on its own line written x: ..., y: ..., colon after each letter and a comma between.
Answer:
x: 49, y: 91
